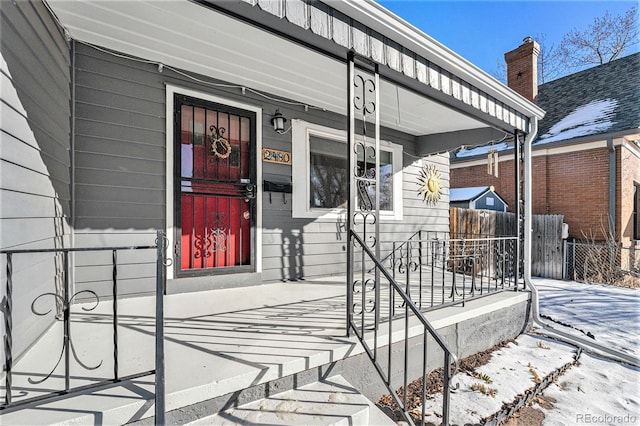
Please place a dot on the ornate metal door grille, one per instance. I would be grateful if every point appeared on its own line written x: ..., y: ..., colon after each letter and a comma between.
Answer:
x: 215, y: 206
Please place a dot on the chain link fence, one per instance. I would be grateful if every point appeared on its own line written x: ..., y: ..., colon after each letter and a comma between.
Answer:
x: 603, y: 264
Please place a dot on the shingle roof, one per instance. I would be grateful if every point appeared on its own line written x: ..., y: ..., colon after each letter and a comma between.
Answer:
x: 599, y: 100
x: 467, y: 194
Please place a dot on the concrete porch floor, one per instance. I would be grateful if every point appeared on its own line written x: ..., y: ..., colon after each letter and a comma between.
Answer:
x: 216, y: 343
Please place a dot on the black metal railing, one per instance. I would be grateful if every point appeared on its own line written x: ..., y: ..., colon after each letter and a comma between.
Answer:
x: 371, y: 316
x: 64, y: 300
x: 439, y: 272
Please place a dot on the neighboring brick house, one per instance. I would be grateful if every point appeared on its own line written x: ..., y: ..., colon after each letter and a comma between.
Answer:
x: 586, y: 158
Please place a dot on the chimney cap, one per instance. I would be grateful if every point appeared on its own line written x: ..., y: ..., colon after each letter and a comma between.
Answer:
x: 527, y: 39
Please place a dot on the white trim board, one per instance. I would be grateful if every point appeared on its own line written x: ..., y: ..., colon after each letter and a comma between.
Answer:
x: 301, y: 130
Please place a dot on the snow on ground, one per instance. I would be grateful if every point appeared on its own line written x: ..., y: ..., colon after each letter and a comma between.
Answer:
x: 597, y: 391
x: 611, y: 314
x: 511, y: 371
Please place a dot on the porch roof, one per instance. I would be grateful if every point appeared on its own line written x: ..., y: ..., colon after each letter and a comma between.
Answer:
x: 296, y: 50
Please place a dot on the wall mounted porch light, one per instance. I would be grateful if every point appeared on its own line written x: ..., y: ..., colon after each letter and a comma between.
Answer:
x: 278, y: 121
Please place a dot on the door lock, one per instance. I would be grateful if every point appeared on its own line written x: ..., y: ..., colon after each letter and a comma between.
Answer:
x: 250, y: 191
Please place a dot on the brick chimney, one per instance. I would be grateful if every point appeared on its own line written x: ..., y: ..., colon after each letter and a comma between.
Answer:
x: 522, y: 68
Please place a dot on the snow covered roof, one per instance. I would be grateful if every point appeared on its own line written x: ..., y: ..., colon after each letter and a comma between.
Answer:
x: 597, y: 101
x: 468, y: 193
x: 592, y: 118
x: 484, y: 149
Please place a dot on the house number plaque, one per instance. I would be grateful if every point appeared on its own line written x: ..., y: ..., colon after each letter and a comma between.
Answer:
x: 275, y: 156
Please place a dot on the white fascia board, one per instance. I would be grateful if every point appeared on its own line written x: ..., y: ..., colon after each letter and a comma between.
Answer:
x: 375, y: 16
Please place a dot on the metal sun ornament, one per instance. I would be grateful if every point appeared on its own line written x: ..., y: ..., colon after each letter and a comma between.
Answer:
x: 430, y: 185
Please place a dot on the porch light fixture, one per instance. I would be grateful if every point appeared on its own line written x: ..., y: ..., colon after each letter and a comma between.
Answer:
x: 278, y: 121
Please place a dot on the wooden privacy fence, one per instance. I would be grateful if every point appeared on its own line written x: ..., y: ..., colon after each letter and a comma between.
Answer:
x: 546, y: 245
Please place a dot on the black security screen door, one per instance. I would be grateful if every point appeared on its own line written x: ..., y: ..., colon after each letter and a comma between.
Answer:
x: 215, y: 186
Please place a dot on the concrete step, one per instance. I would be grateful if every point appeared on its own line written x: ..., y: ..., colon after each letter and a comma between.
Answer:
x: 332, y: 401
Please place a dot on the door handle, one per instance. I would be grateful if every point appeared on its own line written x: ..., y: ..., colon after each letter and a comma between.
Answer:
x: 250, y: 191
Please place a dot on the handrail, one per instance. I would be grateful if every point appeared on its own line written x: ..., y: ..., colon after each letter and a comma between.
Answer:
x: 406, y: 299
x: 449, y: 356
x: 65, y: 299
x: 405, y: 242
x: 446, y: 265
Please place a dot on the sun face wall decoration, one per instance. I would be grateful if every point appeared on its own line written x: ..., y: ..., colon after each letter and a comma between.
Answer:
x: 430, y: 183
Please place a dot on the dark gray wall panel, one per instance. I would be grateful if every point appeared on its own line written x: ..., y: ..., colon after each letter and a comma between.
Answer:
x: 35, y: 159
x: 120, y: 146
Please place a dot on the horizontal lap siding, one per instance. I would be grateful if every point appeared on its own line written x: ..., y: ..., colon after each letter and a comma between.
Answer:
x: 119, y: 189
x: 35, y: 160
x: 120, y: 178
x: 417, y: 215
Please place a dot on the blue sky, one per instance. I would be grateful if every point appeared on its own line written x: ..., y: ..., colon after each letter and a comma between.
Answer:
x: 482, y: 31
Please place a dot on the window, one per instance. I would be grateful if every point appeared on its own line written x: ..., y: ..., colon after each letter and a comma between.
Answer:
x: 327, y: 174
x: 320, y: 173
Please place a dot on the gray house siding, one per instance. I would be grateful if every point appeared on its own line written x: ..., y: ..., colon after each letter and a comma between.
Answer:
x: 35, y: 160
x: 120, y: 174
x: 119, y: 185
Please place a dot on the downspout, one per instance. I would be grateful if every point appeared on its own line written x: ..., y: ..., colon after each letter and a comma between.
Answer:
x: 612, y: 188
x: 528, y: 197
x: 518, y: 207
x: 588, y: 345
x: 72, y: 179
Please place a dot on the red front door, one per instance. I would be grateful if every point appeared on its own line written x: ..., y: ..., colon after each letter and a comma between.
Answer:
x: 215, y: 192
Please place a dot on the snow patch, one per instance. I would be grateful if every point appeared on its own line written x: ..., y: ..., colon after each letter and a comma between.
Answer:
x: 598, y: 391
x: 466, y: 194
x: 611, y: 314
x: 594, y: 117
x: 479, y: 150
x: 509, y: 373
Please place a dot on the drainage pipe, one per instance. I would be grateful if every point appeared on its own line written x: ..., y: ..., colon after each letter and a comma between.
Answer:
x: 612, y: 188
x: 586, y: 344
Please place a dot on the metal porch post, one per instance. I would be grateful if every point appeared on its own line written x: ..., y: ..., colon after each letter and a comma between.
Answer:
x: 350, y: 189
x: 363, y: 157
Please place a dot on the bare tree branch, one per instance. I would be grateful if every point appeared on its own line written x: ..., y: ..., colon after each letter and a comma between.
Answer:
x: 606, y: 39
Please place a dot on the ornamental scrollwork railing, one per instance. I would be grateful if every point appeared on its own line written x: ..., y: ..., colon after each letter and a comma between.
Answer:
x: 63, y: 300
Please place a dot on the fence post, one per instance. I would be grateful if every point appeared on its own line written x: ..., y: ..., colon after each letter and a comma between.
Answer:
x: 159, y: 388
x: 573, y: 261
x: 565, y: 259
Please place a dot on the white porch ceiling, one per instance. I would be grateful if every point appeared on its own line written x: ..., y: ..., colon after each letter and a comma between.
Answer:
x: 197, y: 39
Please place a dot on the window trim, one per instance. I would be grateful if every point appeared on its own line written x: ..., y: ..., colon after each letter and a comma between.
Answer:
x: 300, y: 131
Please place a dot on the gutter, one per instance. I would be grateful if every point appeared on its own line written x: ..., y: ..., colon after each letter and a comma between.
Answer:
x: 375, y: 16
x: 612, y: 188
x: 600, y: 139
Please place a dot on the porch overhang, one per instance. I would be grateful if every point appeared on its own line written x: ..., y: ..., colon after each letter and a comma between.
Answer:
x: 297, y: 51
x: 410, y: 57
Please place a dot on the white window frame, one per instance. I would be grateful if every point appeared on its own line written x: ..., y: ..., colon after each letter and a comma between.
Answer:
x: 301, y: 131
